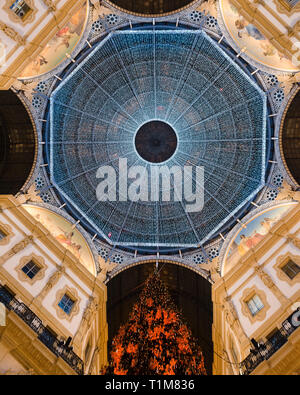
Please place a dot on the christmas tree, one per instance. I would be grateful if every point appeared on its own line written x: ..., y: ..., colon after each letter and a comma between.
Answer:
x: 155, y: 341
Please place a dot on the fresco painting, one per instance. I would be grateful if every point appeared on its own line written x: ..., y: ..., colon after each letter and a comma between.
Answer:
x: 258, y: 47
x: 256, y: 230
x: 64, y: 41
x: 64, y: 233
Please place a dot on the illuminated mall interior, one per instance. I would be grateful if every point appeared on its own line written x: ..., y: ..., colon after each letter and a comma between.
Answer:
x: 135, y: 87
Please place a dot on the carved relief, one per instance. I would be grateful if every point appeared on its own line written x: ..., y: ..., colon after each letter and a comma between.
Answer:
x: 232, y: 319
x: 32, y: 194
x: 287, y: 193
x: 16, y: 248
x: 11, y: 33
x: 53, y: 280
x: 87, y: 318
x: 51, y: 6
x: 267, y: 280
x: 97, y: 7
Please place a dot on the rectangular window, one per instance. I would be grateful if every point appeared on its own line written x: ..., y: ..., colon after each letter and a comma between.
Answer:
x: 66, y: 304
x: 20, y: 8
x: 255, y: 305
x: 2, y: 235
x: 292, y: 3
x: 291, y: 269
x: 31, y: 269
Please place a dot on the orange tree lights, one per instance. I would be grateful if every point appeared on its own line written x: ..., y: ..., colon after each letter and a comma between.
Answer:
x: 155, y: 341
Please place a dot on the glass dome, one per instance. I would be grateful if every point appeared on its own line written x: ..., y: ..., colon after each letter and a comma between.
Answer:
x: 179, y: 78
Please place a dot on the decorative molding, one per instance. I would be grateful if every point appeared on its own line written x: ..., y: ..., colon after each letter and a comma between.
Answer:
x: 97, y: 7
x: 11, y: 33
x: 232, y: 319
x: 73, y: 294
x: 16, y: 248
x: 283, y: 7
x: 50, y: 4
x: 39, y: 261
x: 87, y: 319
x: 267, y: 280
x: 30, y: 196
x: 53, y: 280
x: 247, y: 295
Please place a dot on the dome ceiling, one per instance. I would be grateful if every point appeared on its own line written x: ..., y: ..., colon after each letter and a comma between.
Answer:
x: 185, y: 80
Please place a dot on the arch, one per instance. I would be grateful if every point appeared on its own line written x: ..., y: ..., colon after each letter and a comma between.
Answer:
x: 18, y: 143
x: 151, y: 8
x: 289, y: 138
x: 175, y: 260
x: 190, y: 292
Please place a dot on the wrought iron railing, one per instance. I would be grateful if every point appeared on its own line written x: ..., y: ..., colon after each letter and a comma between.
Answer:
x: 265, y: 350
x: 44, y: 335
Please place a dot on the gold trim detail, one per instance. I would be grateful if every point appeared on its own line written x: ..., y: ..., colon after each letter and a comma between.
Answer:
x: 282, y: 6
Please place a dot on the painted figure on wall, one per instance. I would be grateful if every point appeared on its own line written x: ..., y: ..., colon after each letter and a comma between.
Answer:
x: 64, y: 41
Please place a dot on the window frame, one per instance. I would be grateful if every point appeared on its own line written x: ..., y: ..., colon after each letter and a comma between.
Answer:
x: 38, y: 261
x: 32, y: 269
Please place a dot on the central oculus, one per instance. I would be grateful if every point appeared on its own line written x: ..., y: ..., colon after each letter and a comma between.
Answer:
x: 156, y: 141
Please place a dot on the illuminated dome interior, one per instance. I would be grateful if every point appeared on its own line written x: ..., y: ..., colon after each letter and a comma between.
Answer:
x: 181, y: 78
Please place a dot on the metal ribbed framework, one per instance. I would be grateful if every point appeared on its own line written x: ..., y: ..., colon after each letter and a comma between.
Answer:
x: 182, y: 78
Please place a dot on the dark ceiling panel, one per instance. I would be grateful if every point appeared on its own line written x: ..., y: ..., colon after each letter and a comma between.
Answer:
x: 17, y: 143
x: 291, y: 138
x: 151, y: 7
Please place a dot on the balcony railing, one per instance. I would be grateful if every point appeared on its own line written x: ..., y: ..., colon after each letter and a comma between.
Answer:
x: 265, y: 350
x: 44, y: 335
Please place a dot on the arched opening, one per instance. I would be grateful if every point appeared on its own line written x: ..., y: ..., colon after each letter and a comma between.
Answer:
x: 17, y: 143
x: 290, y: 138
x: 151, y: 7
x: 190, y: 292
